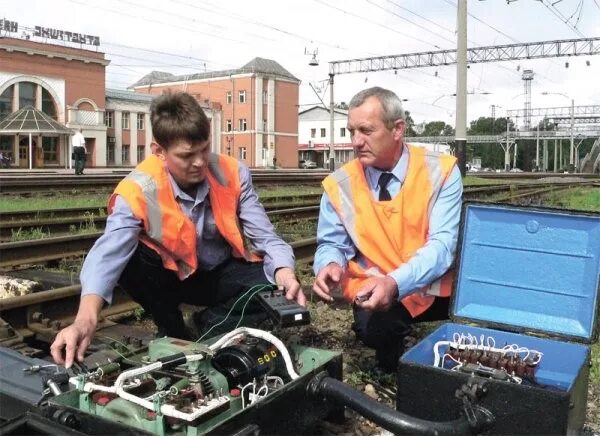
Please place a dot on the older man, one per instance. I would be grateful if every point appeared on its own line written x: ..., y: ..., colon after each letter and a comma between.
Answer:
x: 388, y: 228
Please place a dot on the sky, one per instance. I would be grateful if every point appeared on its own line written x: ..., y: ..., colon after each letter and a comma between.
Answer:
x: 191, y: 36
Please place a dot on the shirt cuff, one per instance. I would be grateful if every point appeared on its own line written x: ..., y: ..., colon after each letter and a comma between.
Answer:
x: 404, y: 279
x: 328, y: 257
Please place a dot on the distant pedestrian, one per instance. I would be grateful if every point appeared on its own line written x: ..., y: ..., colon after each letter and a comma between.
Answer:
x: 79, y: 151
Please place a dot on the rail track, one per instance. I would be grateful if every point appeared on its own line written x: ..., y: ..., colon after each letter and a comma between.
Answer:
x: 48, y: 249
x: 24, y: 184
x: 40, y: 315
x: 54, y: 183
x: 73, y: 220
x: 59, y: 222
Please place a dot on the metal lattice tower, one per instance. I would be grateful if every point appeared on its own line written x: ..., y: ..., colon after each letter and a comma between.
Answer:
x: 527, y: 78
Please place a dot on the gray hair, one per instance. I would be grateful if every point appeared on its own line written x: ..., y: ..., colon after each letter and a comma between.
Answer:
x: 390, y: 103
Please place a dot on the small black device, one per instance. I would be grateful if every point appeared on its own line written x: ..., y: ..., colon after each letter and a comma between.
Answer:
x: 284, y: 312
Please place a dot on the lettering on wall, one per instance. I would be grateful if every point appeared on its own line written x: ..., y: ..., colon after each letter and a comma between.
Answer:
x: 9, y: 26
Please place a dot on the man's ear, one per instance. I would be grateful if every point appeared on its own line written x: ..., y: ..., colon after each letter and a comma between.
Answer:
x: 399, y: 128
x: 158, y: 150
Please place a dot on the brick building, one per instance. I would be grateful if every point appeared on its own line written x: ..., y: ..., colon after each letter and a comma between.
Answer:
x: 67, y: 84
x: 259, y: 121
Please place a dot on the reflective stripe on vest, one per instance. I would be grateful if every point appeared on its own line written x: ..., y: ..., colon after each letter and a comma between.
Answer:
x: 167, y: 230
x: 387, y: 234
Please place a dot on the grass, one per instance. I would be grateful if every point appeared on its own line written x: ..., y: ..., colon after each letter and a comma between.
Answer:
x: 579, y: 199
x: 63, y: 201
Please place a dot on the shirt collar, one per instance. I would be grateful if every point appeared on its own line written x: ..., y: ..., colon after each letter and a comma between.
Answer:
x: 399, y: 171
x: 201, y: 192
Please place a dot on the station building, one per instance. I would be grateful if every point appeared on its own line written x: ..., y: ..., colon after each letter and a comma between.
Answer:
x: 253, y: 109
x: 259, y: 103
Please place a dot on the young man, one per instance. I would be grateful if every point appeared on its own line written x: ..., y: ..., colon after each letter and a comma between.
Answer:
x: 176, y: 233
x: 388, y: 227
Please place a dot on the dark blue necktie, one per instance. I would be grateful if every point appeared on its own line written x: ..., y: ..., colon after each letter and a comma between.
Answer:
x: 384, y: 194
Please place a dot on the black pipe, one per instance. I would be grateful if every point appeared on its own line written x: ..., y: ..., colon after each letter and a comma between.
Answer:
x: 392, y: 420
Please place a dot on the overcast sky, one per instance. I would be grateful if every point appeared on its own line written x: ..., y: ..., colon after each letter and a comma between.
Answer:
x: 189, y: 36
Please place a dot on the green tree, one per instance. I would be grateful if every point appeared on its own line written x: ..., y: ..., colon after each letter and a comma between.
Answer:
x: 491, y: 154
x: 410, y: 131
x: 437, y: 128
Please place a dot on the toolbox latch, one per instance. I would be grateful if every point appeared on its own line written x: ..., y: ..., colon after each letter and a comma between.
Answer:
x: 478, y: 417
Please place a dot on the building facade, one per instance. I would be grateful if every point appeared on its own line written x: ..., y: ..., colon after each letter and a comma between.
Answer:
x: 259, y: 119
x: 128, y: 128
x: 64, y: 82
x: 314, y: 136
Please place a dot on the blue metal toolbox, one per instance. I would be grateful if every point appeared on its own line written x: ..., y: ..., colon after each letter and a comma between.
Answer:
x: 524, y: 311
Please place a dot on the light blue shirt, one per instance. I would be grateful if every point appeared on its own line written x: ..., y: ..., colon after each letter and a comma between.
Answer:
x: 429, y: 262
x: 110, y: 254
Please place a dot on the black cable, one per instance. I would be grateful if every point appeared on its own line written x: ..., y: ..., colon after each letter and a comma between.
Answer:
x: 392, y: 420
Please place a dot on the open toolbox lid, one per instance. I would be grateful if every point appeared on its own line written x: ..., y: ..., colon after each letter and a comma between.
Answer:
x: 529, y: 270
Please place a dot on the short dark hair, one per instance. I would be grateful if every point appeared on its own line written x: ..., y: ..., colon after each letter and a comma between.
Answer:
x: 390, y: 103
x: 177, y: 116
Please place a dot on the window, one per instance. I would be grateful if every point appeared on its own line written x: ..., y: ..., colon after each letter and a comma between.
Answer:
x: 109, y: 118
x: 264, y: 125
x: 228, y: 97
x: 6, y: 146
x: 265, y: 96
x: 228, y: 125
x: 141, y: 152
x: 125, y: 154
x: 50, y: 148
x: 48, y: 106
x: 125, y: 120
x: 242, y: 95
x: 313, y: 133
x: 323, y: 133
x: 6, y: 102
x: 342, y: 132
x: 140, y: 121
x: 110, y: 153
x: 27, y: 92
x: 242, y: 153
x: 242, y: 125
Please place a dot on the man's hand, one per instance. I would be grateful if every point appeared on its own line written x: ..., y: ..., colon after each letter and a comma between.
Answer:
x: 74, y: 340
x: 71, y: 342
x: 287, y: 278
x: 377, y: 294
x: 327, y: 280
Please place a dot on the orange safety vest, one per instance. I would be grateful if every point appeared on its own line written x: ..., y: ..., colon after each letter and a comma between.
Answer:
x: 387, y: 234
x: 167, y: 230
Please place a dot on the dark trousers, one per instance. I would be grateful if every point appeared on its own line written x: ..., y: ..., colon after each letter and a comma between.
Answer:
x: 79, y: 158
x: 385, y: 331
x: 160, y: 292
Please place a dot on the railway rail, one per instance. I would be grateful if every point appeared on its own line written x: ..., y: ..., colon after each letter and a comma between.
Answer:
x: 41, y: 315
x: 73, y: 220
x: 37, y: 183
x: 39, y: 251
x: 53, y: 183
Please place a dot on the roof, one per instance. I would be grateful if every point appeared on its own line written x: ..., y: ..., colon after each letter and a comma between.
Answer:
x: 256, y: 65
x: 31, y: 120
x: 325, y: 109
x: 118, y: 94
